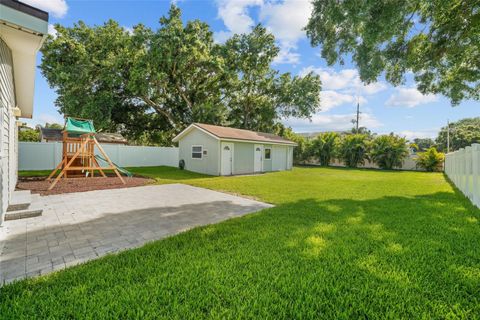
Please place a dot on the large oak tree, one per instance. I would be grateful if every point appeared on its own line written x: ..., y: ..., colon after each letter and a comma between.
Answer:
x: 150, y: 84
x: 437, y: 40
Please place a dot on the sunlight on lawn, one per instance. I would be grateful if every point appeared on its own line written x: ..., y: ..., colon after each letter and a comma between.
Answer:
x: 339, y: 243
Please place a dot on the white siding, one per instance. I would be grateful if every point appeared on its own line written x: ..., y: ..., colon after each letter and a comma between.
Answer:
x: 7, y: 133
x: 279, y: 158
x: 210, y: 163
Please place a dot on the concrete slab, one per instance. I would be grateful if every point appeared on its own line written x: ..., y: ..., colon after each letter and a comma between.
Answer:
x: 78, y: 227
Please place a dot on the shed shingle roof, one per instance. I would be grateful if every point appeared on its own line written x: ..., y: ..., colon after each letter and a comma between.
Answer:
x: 241, y: 134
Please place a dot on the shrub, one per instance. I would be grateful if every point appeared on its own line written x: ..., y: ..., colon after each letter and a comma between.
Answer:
x: 302, y: 152
x: 323, y: 147
x: 430, y: 160
x: 353, y: 149
x: 28, y: 134
x: 388, y: 151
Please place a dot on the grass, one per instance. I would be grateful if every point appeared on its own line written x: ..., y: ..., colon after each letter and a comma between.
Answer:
x: 339, y: 244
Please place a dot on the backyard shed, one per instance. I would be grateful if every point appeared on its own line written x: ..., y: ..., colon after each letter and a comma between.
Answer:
x: 217, y: 150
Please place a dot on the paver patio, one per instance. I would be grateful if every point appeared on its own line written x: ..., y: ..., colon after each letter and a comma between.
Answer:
x: 78, y: 227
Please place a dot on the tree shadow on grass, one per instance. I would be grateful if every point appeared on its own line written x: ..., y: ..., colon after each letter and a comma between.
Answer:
x: 391, y: 257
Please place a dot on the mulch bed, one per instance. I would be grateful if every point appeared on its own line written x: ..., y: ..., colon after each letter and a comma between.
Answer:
x: 40, y: 185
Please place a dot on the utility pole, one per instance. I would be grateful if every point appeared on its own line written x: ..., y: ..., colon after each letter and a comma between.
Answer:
x: 357, y: 119
x: 358, y: 113
x: 448, y: 136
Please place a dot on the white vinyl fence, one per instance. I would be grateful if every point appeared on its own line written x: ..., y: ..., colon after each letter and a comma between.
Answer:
x: 463, y: 168
x: 47, y: 155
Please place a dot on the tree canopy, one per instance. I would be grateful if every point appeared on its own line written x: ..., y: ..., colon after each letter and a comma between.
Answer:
x: 150, y: 84
x: 463, y: 133
x: 436, y: 40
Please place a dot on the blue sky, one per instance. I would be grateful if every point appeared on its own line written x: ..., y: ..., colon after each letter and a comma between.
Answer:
x: 385, y: 109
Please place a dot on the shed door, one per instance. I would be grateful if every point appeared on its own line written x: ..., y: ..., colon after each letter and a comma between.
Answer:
x: 227, y: 159
x: 258, y: 160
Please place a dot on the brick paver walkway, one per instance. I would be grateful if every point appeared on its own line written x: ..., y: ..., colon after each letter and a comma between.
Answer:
x: 78, y: 227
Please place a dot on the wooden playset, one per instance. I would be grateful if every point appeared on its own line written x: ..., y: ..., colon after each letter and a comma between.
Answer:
x: 78, y: 156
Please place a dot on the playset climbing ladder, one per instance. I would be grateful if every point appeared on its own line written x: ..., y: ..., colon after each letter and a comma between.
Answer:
x: 78, y: 156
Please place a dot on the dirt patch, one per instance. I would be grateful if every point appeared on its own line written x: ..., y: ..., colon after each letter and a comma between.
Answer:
x: 40, y: 185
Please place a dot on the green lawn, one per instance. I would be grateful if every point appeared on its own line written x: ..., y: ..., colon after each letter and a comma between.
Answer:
x: 339, y: 244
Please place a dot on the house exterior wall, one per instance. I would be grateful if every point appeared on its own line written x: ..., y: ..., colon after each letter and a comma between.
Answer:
x: 7, y: 129
x: 210, y: 163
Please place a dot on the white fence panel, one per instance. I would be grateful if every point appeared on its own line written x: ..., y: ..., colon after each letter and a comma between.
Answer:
x: 46, y: 156
x: 463, y: 168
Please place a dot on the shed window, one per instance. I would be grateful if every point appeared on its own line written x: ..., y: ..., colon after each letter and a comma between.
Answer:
x: 268, y: 153
x: 197, y: 152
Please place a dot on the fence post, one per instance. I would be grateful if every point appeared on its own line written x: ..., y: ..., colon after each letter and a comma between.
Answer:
x: 468, y: 171
x: 476, y: 174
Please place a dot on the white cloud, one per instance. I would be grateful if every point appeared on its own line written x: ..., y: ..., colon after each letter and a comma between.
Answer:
x: 409, y: 97
x: 234, y: 14
x: 287, y: 54
x: 333, y: 122
x: 57, y: 8
x: 128, y: 29
x: 51, y: 30
x: 330, y: 99
x: 410, y: 135
x: 221, y: 36
x: 286, y: 19
x: 347, y: 80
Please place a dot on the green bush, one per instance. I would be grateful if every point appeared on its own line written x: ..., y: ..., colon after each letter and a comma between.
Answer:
x: 388, y: 151
x: 28, y: 134
x: 302, y: 152
x: 353, y: 149
x: 430, y: 160
x: 324, y: 146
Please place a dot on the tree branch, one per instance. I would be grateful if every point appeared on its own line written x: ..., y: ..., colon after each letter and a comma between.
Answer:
x: 161, y: 111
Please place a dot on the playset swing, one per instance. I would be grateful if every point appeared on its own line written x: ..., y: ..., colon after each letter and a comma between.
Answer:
x: 78, y: 156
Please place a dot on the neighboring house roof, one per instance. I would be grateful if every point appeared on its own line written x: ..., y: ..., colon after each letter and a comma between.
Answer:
x: 107, y: 137
x: 226, y: 133
x: 311, y: 135
x: 23, y: 28
x: 52, y: 134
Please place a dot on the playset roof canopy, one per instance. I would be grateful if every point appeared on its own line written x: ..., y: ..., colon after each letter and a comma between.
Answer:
x: 79, y: 126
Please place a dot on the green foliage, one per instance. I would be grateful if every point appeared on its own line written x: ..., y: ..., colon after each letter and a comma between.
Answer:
x: 463, y: 133
x: 53, y: 126
x: 259, y: 96
x: 437, y: 40
x: 430, y: 160
x: 150, y: 84
x: 353, y: 149
x: 388, y: 151
x: 396, y: 245
x: 423, y: 143
x: 303, y: 151
x: 324, y: 147
x: 28, y: 134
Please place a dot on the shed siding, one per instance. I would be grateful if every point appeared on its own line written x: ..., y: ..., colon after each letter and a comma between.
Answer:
x: 243, y: 157
x: 279, y: 158
x: 209, y: 164
x: 7, y: 133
